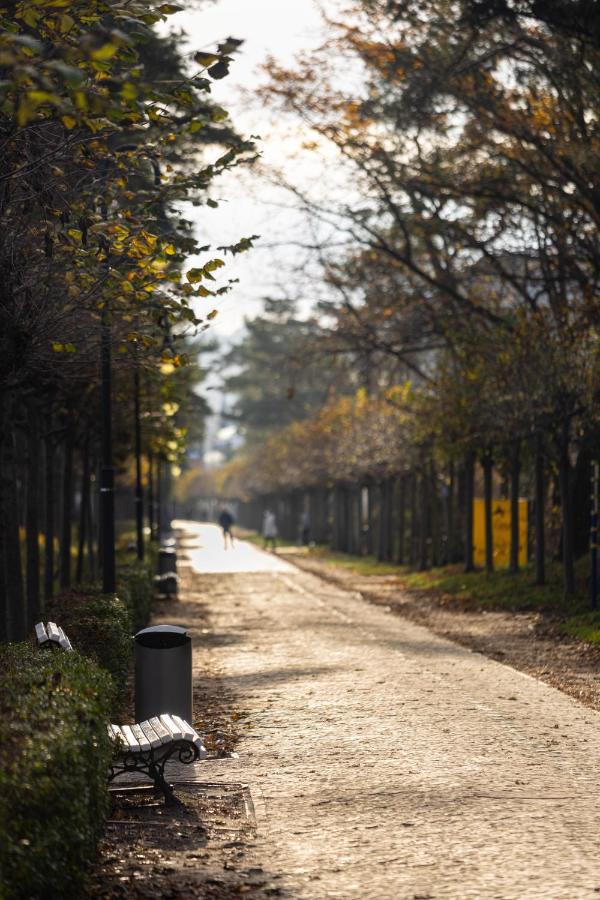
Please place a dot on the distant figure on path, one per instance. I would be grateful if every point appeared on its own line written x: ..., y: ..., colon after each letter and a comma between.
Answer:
x: 269, y: 529
x: 226, y: 522
x: 304, y: 528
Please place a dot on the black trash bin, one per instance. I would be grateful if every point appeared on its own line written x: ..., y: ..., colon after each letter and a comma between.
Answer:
x: 163, y: 672
x: 167, y: 561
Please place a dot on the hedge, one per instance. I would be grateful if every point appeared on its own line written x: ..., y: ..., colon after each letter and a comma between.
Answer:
x: 54, y: 756
x: 136, y: 589
x: 99, y: 626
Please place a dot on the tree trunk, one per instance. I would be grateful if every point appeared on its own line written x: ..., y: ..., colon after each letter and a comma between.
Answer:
x: 451, y: 542
x: 424, y: 522
x: 83, y: 510
x: 4, y: 622
x: 13, y: 574
x: 382, y: 522
x: 566, y: 491
x: 469, y: 492
x: 353, y: 529
x: 139, y: 493
x: 370, y: 524
x: 436, y: 550
x: 32, y: 527
x: 540, y: 503
x: 401, y: 520
x: 414, y: 519
x: 335, y: 523
x: 4, y: 626
x: 488, y: 467
x: 151, y: 495
x: 389, y: 523
x: 91, y: 525
x: 515, y: 471
x: 67, y: 513
x: 50, y: 512
x: 159, y: 507
x: 460, y: 519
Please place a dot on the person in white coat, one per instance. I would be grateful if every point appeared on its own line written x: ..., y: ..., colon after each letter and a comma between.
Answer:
x: 269, y: 529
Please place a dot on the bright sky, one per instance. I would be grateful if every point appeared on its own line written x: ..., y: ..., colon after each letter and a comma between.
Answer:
x: 282, y: 29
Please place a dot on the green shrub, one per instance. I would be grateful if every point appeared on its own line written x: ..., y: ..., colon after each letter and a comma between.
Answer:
x: 98, y: 626
x: 54, y: 757
x: 136, y: 589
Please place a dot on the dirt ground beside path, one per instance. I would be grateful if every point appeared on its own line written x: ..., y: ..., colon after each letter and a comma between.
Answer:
x: 527, y: 641
x: 377, y: 760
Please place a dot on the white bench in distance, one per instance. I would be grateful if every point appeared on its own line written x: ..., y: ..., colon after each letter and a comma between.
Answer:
x: 147, y: 746
x: 52, y: 635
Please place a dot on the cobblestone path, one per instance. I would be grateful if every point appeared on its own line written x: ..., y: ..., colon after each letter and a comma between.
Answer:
x: 386, y: 762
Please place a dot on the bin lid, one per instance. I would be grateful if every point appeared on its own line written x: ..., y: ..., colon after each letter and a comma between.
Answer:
x: 162, y: 637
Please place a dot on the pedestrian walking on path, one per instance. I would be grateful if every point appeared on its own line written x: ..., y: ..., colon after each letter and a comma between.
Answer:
x: 304, y: 529
x: 269, y: 529
x: 226, y: 521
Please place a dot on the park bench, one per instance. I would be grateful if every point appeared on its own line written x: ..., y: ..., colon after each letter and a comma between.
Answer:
x: 145, y: 747
x: 50, y: 635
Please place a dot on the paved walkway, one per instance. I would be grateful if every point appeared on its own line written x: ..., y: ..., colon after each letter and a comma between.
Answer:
x: 207, y: 553
x: 385, y: 762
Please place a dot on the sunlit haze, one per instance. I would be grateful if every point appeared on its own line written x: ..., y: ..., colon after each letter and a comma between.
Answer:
x: 268, y: 28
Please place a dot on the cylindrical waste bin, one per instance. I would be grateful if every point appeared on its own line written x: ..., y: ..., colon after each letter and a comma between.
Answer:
x: 167, y: 561
x: 163, y: 672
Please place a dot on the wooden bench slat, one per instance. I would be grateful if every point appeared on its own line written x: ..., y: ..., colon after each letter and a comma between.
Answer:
x: 150, y: 733
x: 41, y: 633
x: 141, y: 738
x: 116, y: 734
x: 63, y: 640
x: 190, y: 734
x: 176, y: 733
x: 160, y: 729
x: 186, y: 728
x: 53, y: 633
x: 132, y: 742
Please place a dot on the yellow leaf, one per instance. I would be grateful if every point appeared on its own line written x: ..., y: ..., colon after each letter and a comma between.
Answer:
x: 68, y: 121
x: 107, y: 51
x: 66, y: 23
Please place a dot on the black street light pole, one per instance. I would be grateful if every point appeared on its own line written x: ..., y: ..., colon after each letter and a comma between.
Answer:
x: 107, y: 472
x: 139, y: 496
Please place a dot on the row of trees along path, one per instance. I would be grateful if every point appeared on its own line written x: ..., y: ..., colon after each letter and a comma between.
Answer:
x: 458, y: 278
x: 371, y: 484
x: 104, y: 130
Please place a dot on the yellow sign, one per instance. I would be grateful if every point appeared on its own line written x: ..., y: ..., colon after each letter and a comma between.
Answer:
x: 500, y: 532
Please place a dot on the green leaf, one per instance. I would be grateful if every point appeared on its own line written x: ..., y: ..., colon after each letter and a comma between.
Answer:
x: 70, y: 74
x: 219, y: 70
x: 194, y: 275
